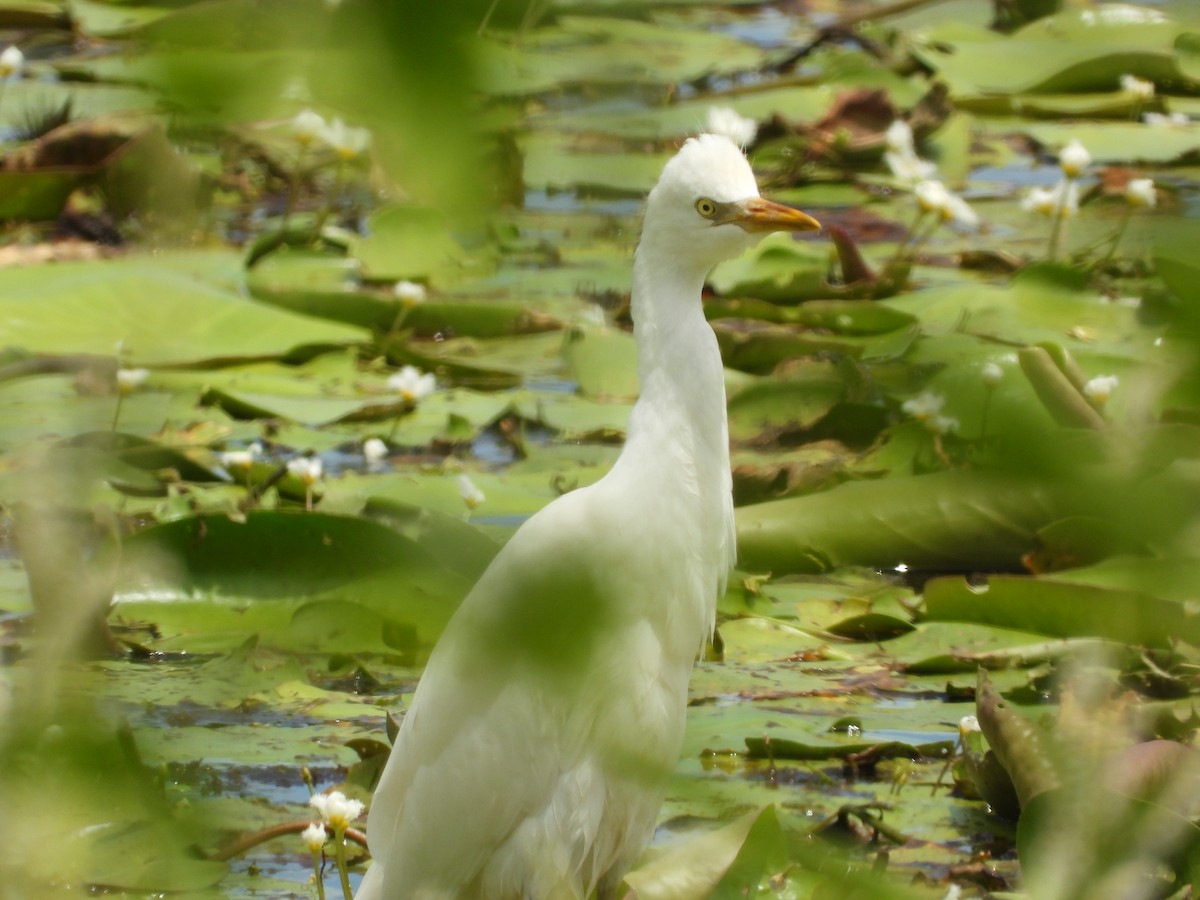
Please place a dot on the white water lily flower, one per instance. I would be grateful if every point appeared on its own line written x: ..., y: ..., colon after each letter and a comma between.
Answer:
x: 337, y: 809
x: 957, y: 211
x: 901, y: 155
x: 932, y: 196
x: 374, y: 450
x: 345, y: 141
x: 924, y: 406
x: 241, y: 459
x: 314, y: 837
x: 129, y: 380
x: 1067, y: 195
x: 1121, y: 14
x: 12, y: 61
x: 236, y: 459
x: 471, y: 494
x: 307, y: 468
x: 412, y: 384
x: 593, y: 314
x: 899, y: 138
x: 1061, y: 200
x: 1140, y: 192
x: 992, y: 374
x: 935, y: 197
x: 309, y: 126
x: 940, y: 424
x: 409, y: 293
x: 1159, y: 120
x: 968, y: 724
x: 908, y: 167
x: 1100, y: 388
x: 736, y: 127
x: 1138, y: 87
x: 1074, y: 158
x: 1040, y: 200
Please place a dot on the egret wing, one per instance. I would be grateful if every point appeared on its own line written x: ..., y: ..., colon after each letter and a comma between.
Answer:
x: 493, y: 738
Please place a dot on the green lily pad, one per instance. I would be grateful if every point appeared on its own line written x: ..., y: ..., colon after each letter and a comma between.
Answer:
x: 140, y: 303
x: 1064, y: 609
x: 780, y: 269
x: 725, y: 862
x: 769, y: 407
x: 602, y: 362
x: 945, y: 520
x: 553, y: 163
x: 265, y: 569
x: 1121, y: 142
x: 1073, y: 51
x: 410, y: 242
x: 687, y: 116
x: 597, y: 49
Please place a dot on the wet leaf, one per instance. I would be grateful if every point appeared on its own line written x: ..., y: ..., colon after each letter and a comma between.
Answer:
x: 412, y: 243
x: 606, y: 50
x: 603, y: 362
x: 763, y: 410
x: 948, y: 520
x: 1017, y: 742
x: 724, y: 862
x: 93, y: 307
x: 779, y: 269
x: 1063, y: 609
x: 274, y: 563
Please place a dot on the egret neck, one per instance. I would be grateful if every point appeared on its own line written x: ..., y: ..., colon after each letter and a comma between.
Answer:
x: 678, y: 427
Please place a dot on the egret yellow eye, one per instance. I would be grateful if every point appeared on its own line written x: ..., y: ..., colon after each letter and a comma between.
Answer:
x: 706, y: 207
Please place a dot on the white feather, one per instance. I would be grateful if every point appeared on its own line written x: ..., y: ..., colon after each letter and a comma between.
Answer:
x: 534, y: 757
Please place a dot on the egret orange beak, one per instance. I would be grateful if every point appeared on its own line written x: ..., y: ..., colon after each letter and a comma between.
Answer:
x: 765, y: 215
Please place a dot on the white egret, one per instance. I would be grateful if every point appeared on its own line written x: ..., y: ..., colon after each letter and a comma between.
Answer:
x: 534, y: 757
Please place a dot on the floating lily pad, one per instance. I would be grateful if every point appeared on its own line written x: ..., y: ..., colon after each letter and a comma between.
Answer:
x: 602, y: 362
x: 1064, y: 609
x: 779, y: 269
x: 607, y: 50
x: 139, y: 303
x: 410, y: 242
x: 263, y: 570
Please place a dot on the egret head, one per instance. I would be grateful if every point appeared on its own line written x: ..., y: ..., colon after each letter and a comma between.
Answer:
x: 706, y: 206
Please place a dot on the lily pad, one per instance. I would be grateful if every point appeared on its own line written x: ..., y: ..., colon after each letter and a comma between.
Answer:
x: 608, y: 50
x: 412, y: 243
x: 779, y: 269
x: 138, y: 303
x: 267, y: 567
x: 1064, y: 609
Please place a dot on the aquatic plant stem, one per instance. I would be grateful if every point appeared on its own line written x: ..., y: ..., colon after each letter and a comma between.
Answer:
x: 407, y: 407
x: 987, y: 404
x: 398, y: 323
x: 1058, y: 229
x: 289, y: 204
x: 339, y: 856
x: 1120, y: 233
x: 333, y: 192
x: 487, y: 17
x: 317, y: 875
x: 911, y: 241
x: 250, y: 841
